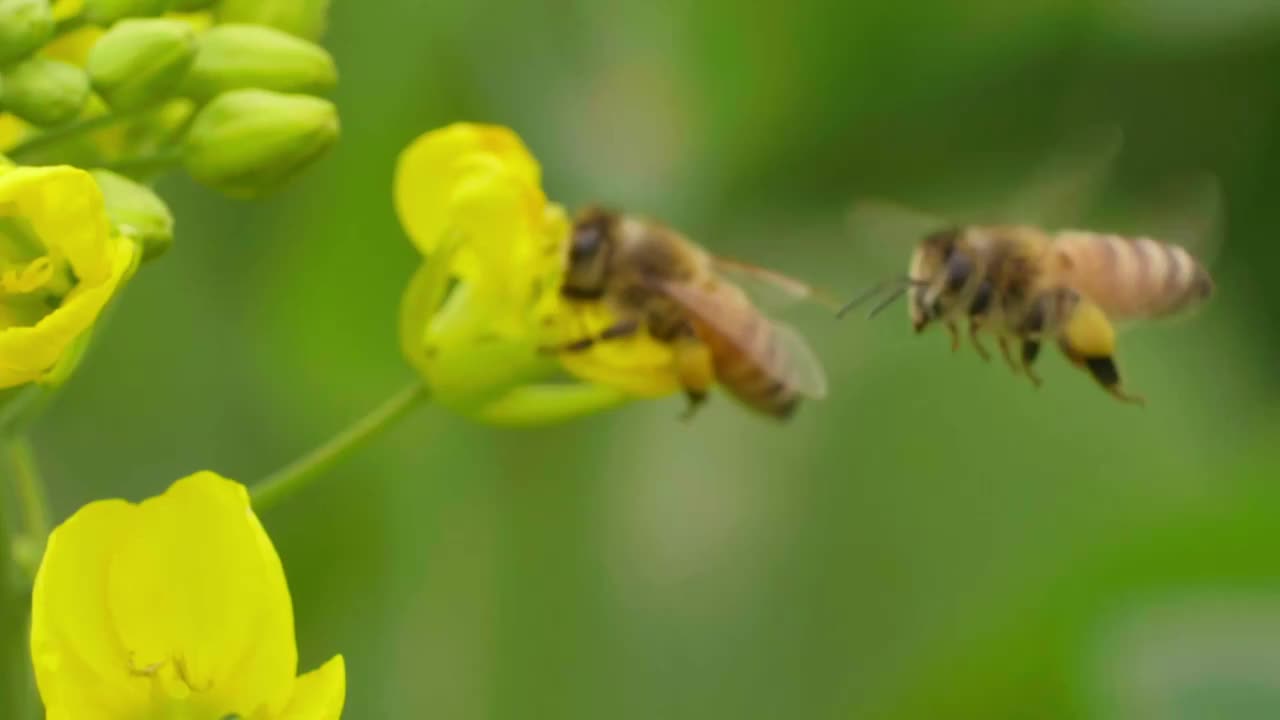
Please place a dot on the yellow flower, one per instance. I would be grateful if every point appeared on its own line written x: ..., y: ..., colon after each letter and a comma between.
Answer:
x: 173, y: 608
x: 486, y: 302
x: 59, y: 266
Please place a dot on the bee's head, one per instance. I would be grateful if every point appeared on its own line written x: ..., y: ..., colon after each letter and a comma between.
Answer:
x: 942, y: 276
x: 590, y: 247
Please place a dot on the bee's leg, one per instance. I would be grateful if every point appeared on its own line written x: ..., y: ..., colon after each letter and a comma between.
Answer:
x: 695, y: 370
x: 1089, y: 342
x: 974, y: 327
x: 954, y: 332
x: 1008, y: 357
x: 1103, y: 370
x: 620, y: 329
x: 1030, y: 350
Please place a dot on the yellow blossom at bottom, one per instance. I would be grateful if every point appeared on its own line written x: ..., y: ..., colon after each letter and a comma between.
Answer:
x: 175, y: 608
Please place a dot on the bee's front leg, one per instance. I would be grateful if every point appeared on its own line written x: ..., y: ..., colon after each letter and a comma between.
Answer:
x: 616, y: 331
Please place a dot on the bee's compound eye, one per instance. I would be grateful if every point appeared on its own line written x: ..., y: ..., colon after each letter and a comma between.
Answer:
x: 959, y: 268
x: 587, y: 240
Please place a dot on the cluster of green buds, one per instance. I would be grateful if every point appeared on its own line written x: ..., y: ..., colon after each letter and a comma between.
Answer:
x: 98, y: 98
x: 227, y: 89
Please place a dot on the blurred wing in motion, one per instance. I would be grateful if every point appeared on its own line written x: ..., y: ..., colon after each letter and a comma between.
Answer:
x: 1068, y: 183
x: 881, y: 221
x: 778, y: 350
x: 1190, y: 212
x: 774, y: 288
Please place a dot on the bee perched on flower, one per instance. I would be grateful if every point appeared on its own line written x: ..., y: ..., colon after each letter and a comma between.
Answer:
x: 487, y: 300
x: 511, y: 291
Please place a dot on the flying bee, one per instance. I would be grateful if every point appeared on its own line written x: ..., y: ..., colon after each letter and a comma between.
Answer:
x: 656, y: 281
x: 1026, y: 285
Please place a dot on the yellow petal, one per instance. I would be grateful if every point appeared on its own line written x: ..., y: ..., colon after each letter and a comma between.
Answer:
x: 542, y: 404
x: 320, y: 694
x: 199, y: 588
x: 30, y: 353
x: 81, y: 667
x: 430, y: 169
x: 65, y: 208
x: 638, y: 365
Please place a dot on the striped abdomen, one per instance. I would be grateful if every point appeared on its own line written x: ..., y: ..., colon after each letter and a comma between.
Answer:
x: 741, y: 373
x: 1130, y: 277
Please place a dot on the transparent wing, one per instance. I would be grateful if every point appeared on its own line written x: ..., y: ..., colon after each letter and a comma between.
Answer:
x: 1068, y: 183
x: 776, y: 348
x: 1060, y: 191
x: 775, y: 289
x: 1189, y: 212
x: 873, y: 221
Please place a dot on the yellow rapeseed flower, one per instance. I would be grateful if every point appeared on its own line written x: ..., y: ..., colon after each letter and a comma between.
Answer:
x: 175, y: 608
x: 59, y: 266
x: 486, y: 303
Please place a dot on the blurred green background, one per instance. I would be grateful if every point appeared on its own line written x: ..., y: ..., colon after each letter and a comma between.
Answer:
x: 934, y: 540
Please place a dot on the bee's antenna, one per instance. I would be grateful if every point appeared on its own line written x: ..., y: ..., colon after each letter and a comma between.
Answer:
x: 891, y: 299
x: 898, y: 285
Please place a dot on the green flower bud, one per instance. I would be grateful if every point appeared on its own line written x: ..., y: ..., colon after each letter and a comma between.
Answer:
x: 106, y: 12
x: 25, y: 25
x: 249, y: 56
x: 249, y: 142
x: 137, y: 213
x: 140, y: 62
x: 45, y: 92
x: 304, y: 18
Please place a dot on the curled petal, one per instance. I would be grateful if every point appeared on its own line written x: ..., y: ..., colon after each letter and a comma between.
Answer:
x: 320, y: 694
x: 431, y: 169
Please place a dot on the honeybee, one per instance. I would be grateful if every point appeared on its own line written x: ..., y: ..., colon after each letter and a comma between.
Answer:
x: 1027, y: 285
x: 656, y: 281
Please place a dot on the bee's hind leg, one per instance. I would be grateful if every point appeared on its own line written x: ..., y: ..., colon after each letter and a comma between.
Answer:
x: 1030, y: 350
x: 1103, y: 369
x: 616, y: 331
x: 695, y: 369
x: 974, y: 327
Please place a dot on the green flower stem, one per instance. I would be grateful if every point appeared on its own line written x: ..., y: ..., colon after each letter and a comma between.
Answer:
x: 12, y: 620
x: 15, y: 604
x: 53, y: 136
x: 300, y: 473
x: 31, y: 502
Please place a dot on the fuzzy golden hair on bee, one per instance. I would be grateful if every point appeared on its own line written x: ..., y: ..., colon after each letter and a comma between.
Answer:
x: 658, y: 284
x: 1131, y: 278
